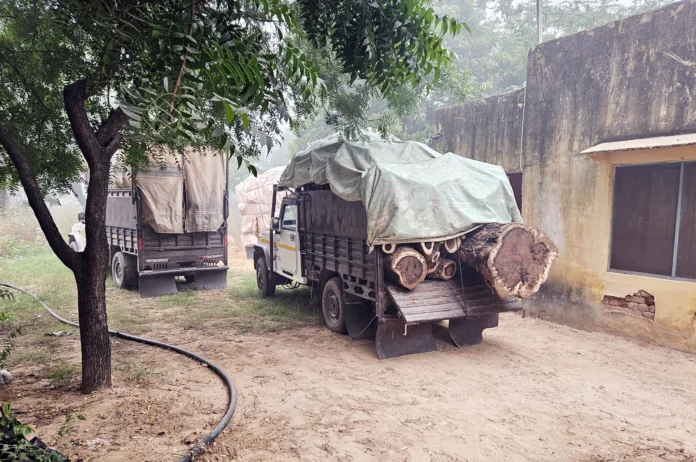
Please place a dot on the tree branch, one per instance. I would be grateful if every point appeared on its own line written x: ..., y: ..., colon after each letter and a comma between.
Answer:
x: 172, y: 99
x: 74, y: 96
x: 113, y: 125
x: 26, y: 175
x: 111, y: 148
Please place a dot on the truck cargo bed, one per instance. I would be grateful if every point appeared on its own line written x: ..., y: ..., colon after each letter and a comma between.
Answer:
x: 435, y: 300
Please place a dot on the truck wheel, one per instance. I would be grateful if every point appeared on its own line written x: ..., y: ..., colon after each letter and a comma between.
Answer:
x: 263, y: 279
x: 190, y: 278
x: 123, y: 270
x: 333, y: 306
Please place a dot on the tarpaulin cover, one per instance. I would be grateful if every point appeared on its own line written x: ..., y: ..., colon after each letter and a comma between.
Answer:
x: 254, y: 196
x: 411, y: 193
x: 205, y: 179
x: 162, y: 195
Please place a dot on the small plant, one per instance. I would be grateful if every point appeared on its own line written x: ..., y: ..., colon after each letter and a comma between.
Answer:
x: 67, y: 426
x: 14, y: 445
x: 7, y: 348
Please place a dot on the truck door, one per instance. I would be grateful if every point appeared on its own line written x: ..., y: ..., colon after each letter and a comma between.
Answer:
x: 286, y: 241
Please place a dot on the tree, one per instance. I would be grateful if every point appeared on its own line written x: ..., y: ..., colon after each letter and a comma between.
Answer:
x: 82, y: 80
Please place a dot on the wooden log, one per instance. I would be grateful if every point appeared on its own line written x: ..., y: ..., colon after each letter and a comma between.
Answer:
x: 388, y: 248
x: 513, y: 259
x: 446, y: 269
x: 426, y: 248
x: 452, y: 245
x: 406, y: 266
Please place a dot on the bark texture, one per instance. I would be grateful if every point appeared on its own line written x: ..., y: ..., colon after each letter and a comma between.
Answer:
x: 512, y: 258
x: 406, y: 266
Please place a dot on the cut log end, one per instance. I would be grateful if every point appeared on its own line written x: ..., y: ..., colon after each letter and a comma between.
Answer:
x: 446, y: 269
x: 452, y: 245
x: 512, y: 258
x: 388, y: 248
x: 406, y: 266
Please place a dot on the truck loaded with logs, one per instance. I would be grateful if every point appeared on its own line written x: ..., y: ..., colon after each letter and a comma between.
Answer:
x: 394, y: 237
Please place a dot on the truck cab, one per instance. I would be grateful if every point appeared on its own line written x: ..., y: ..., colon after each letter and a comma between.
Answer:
x: 282, y: 259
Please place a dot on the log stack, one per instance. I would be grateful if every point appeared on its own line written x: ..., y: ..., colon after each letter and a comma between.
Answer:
x: 512, y: 259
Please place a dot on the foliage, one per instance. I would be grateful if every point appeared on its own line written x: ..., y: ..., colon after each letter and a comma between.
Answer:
x: 67, y: 426
x: 189, y: 73
x: 14, y: 445
x: 491, y: 59
x: 6, y: 318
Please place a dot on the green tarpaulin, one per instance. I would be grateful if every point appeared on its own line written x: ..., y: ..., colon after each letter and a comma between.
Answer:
x: 411, y: 193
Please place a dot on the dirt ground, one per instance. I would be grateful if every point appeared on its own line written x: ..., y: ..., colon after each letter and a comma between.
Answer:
x: 532, y: 391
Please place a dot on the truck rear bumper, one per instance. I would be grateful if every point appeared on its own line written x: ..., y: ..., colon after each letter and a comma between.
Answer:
x: 183, y: 270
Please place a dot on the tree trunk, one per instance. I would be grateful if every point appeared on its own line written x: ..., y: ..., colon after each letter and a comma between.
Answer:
x: 406, y: 266
x: 512, y: 258
x: 90, y: 276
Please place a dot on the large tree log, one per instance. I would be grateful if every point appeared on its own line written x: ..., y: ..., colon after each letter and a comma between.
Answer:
x: 512, y: 258
x: 405, y: 266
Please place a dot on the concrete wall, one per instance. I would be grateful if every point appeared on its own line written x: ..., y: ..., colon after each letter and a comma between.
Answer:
x: 635, y: 78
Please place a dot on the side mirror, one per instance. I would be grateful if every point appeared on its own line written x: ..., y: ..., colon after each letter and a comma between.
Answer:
x: 81, y: 217
x: 275, y: 223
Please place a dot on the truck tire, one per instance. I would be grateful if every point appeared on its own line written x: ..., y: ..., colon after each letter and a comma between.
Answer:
x: 263, y: 278
x: 123, y: 270
x: 190, y: 278
x: 333, y: 306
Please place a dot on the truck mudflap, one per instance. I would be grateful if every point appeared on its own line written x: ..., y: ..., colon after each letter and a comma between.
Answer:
x: 469, y: 306
x: 158, y: 283
x: 396, y: 338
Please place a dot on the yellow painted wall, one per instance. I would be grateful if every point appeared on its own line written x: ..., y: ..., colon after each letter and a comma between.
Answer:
x: 675, y: 299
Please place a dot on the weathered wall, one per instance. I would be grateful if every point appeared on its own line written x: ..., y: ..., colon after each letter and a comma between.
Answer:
x: 621, y: 81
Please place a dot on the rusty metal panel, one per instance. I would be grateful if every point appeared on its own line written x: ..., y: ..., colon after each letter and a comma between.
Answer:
x: 688, y: 139
x: 326, y: 213
x: 644, y: 218
x: 686, y: 253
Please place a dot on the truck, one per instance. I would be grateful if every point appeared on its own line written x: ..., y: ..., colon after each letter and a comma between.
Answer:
x: 167, y: 222
x: 320, y: 239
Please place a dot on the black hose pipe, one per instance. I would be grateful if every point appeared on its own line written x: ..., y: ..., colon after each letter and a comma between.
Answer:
x: 195, y: 450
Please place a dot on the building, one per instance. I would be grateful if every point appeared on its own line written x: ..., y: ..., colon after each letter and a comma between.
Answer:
x: 601, y: 150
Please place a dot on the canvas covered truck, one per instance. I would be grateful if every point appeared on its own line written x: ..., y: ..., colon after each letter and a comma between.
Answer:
x: 380, y: 230
x: 167, y: 221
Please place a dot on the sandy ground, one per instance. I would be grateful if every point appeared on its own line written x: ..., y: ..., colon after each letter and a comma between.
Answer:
x: 532, y: 391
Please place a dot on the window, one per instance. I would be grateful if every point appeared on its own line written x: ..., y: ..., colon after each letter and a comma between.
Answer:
x: 289, y: 218
x: 654, y: 219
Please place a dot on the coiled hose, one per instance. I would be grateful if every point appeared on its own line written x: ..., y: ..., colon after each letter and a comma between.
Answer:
x: 195, y: 450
